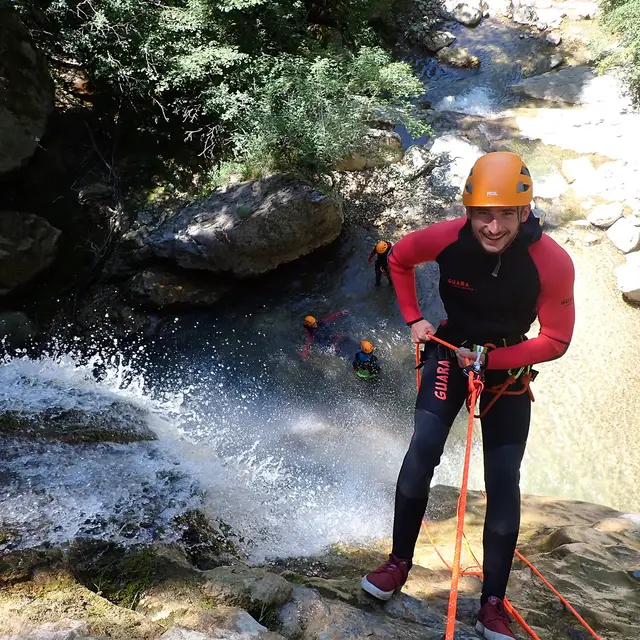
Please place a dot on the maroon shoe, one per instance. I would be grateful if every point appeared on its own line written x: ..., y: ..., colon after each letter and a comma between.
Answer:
x: 384, y: 581
x: 493, y: 621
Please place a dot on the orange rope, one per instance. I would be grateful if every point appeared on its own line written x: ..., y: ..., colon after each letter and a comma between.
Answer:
x: 563, y: 600
x: 475, y: 386
x: 478, y: 574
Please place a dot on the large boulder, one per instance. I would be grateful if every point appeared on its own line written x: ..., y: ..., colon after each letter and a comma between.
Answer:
x: 468, y: 13
x: 26, y: 92
x: 433, y: 41
x: 576, y: 85
x: 624, y: 235
x: 249, y: 228
x: 28, y: 245
x: 604, y: 215
x: 458, y: 57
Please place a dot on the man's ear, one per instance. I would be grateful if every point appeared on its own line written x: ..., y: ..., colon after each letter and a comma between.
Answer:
x: 524, y: 213
x: 469, y: 209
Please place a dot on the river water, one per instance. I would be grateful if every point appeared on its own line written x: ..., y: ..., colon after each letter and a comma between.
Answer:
x: 294, y: 453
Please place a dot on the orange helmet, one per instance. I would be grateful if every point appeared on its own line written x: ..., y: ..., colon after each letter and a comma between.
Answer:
x: 382, y: 246
x: 498, y: 179
x: 310, y: 321
x: 366, y: 346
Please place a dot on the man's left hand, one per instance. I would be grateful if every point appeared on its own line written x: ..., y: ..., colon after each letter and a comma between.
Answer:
x: 466, y: 357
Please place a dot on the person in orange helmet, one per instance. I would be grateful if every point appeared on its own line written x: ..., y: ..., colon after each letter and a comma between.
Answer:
x: 321, y: 333
x: 381, y: 251
x: 498, y: 272
x: 365, y: 362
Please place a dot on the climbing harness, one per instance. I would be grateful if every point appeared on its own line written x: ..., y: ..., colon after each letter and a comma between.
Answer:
x: 473, y: 370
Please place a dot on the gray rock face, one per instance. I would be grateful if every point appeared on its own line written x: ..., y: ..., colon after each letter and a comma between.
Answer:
x: 467, y: 13
x: 379, y: 148
x: 249, y: 228
x: 604, y: 215
x: 160, y: 288
x: 246, y: 587
x: 435, y: 40
x: 575, y: 85
x: 313, y: 617
x: 624, y: 235
x: 26, y: 92
x: 15, y: 328
x: 28, y: 245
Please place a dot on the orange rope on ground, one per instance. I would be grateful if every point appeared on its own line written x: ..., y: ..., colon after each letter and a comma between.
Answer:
x: 478, y: 574
x: 563, y: 600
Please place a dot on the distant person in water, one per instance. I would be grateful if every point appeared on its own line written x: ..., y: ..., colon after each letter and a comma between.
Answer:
x: 321, y: 333
x: 365, y: 363
x: 381, y: 251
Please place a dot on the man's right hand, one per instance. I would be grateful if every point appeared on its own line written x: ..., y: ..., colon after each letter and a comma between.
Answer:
x: 421, y: 331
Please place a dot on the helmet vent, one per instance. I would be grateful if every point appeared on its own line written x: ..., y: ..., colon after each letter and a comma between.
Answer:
x: 524, y: 171
x: 469, y: 188
x: 522, y: 187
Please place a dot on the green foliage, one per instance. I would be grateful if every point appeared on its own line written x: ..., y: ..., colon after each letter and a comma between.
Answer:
x: 309, y: 112
x: 277, y: 83
x: 622, y: 17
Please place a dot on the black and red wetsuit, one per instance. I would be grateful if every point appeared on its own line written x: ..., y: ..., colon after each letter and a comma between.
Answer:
x: 323, y: 334
x: 488, y: 298
x: 382, y: 263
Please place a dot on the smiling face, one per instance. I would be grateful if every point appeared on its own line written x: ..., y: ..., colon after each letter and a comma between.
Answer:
x: 495, y: 228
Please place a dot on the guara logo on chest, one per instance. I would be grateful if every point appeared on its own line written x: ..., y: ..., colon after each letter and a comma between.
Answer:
x: 460, y: 284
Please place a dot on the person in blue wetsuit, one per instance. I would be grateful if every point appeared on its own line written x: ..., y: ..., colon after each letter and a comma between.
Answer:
x: 365, y: 363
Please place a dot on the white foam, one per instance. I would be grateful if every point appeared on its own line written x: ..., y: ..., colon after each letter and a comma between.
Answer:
x: 477, y: 101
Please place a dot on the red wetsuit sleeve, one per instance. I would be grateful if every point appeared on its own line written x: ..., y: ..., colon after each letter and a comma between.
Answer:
x: 373, y: 253
x: 555, y: 306
x: 420, y: 246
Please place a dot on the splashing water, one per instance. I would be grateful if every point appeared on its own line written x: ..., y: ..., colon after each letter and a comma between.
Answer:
x: 477, y: 101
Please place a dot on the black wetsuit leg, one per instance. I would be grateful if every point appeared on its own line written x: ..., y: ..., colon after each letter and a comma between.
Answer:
x: 504, y: 434
x: 442, y: 392
x: 378, y: 274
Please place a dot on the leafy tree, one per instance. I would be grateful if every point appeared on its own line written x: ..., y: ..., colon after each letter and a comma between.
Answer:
x: 279, y: 83
x: 623, y: 18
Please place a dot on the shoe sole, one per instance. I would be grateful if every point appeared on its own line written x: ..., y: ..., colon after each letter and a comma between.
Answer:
x: 487, y: 634
x: 371, y: 589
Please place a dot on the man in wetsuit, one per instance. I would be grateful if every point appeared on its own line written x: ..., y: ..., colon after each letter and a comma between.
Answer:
x: 321, y: 333
x: 381, y: 251
x: 498, y: 271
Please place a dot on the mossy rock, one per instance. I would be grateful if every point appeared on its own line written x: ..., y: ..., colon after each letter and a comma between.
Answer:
x: 119, y: 422
x: 206, y: 546
x: 118, y: 574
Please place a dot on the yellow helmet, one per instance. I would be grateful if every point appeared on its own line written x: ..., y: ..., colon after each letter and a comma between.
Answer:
x: 382, y: 246
x: 498, y: 179
x: 310, y: 321
x: 366, y: 346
